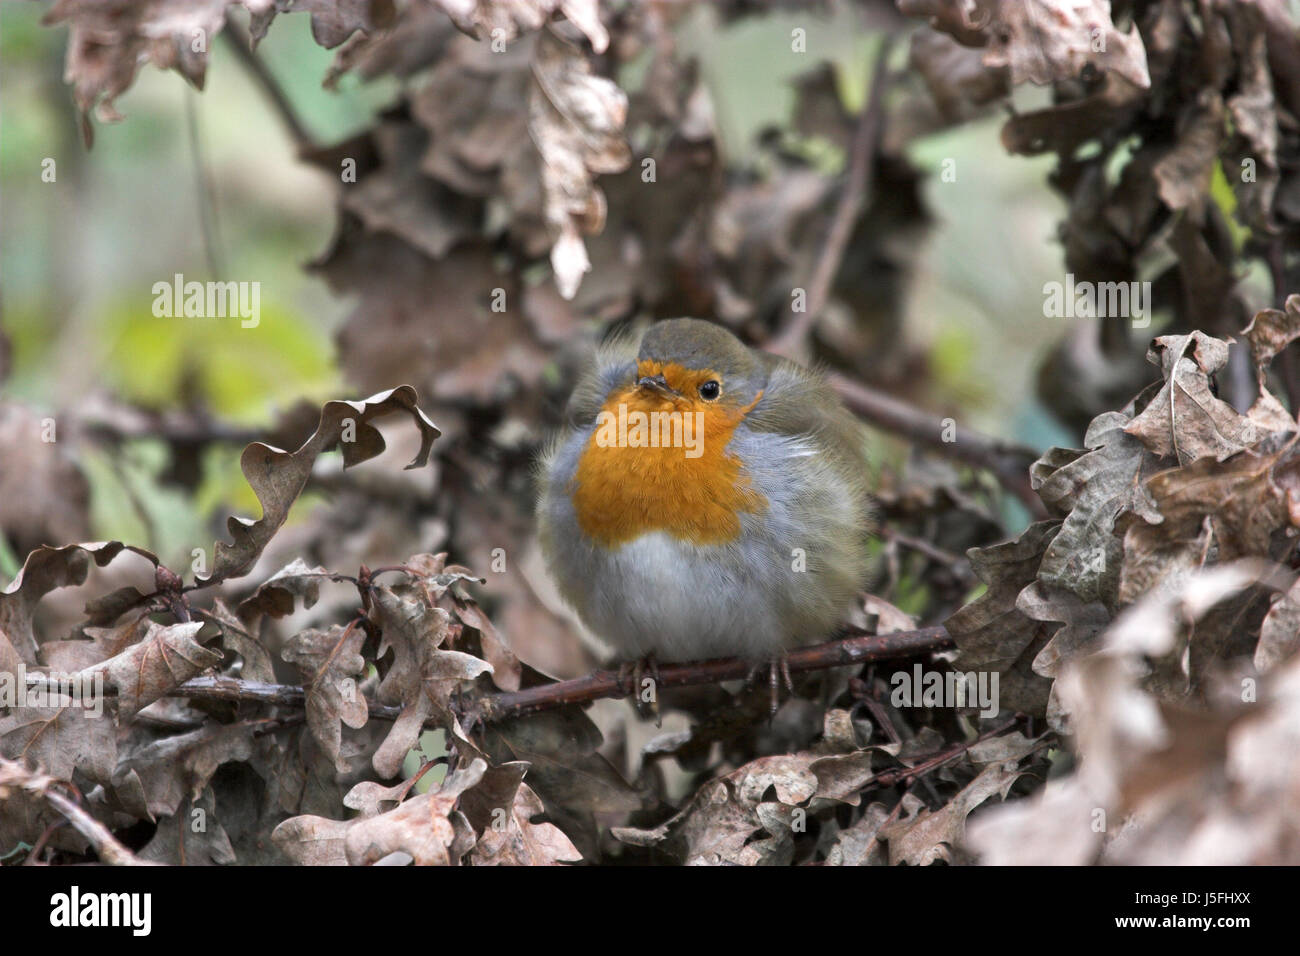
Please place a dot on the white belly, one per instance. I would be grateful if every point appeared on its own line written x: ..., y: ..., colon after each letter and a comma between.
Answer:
x: 659, y: 595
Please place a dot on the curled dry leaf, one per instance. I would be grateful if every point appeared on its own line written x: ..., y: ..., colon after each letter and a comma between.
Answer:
x: 45, y: 570
x: 278, y: 477
x: 1099, y: 486
x: 422, y: 676
x: 1186, y: 420
x: 1269, y: 332
x: 730, y: 821
x: 1040, y: 40
x: 427, y: 827
x: 61, y: 737
x: 164, y: 658
x: 576, y: 120
x: 992, y: 633
x: 70, y: 656
x: 108, y: 40
x: 503, y: 20
x: 332, y: 666
x: 177, y: 841
x: 928, y: 836
x: 501, y: 809
x: 959, y: 80
x: 156, y: 777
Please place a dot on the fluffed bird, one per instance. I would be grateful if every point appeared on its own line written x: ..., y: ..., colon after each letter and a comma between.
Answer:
x: 706, y: 499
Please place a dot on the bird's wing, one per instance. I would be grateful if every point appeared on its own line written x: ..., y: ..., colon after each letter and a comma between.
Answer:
x: 799, y: 401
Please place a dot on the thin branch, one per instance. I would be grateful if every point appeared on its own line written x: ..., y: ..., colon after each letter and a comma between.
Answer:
x: 209, y: 228
x: 1008, y: 462
x: 595, y: 686
x: 241, y: 43
x: 857, y: 189
x: 937, y: 760
x: 105, y: 845
x: 600, y: 684
x: 107, y: 419
x: 958, y: 564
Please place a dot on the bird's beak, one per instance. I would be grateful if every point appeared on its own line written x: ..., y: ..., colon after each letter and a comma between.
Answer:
x: 659, y: 384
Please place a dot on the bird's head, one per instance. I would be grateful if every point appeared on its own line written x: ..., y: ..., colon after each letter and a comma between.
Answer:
x: 689, y: 365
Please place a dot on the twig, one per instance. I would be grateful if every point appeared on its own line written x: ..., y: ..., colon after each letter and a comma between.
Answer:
x: 599, y: 684
x: 1008, y: 462
x: 110, y: 420
x: 857, y: 189
x: 240, y: 42
x: 209, y: 228
x: 105, y: 845
x: 595, y: 686
x: 956, y: 563
x: 937, y: 760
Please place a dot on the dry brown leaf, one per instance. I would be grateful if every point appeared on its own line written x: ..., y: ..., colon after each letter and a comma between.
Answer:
x: 576, y: 120
x: 278, y: 477
x: 165, y: 657
x: 1040, y: 40
x: 729, y: 821
x: 332, y: 667
x: 1186, y: 421
x: 428, y: 828
x: 422, y: 676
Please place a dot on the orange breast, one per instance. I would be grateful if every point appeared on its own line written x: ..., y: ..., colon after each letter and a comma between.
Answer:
x: 621, y: 492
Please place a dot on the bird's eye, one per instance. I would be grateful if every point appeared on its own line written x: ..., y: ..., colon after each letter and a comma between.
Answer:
x: 710, y: 391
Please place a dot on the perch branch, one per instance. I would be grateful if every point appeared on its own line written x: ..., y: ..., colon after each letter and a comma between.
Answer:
x: 602, y: 683
x: 597, y: 685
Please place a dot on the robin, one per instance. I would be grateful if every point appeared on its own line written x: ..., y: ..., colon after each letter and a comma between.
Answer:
x: 705, y: 500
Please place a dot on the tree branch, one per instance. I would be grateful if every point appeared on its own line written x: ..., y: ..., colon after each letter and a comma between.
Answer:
x: 1008, y: 462
x: 106, y: 846
x: 243, y: 47
x: 603, y: 683
x: 857, y: 190
x: 599, y: 684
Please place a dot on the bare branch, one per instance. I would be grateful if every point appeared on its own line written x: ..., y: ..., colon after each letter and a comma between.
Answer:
x: 598, y: 684
x: 857, y: 190
x: 106, y: 846
x: 1008, y: 462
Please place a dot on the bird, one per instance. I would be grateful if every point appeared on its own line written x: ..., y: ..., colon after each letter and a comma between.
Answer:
x: 705, y: 499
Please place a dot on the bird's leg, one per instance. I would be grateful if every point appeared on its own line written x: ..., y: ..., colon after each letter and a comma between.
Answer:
x: 778, y: 672
x: 631, y: 675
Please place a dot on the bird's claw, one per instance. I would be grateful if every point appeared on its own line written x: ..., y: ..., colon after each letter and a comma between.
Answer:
x: 778, y: 672
x: 631, y: 676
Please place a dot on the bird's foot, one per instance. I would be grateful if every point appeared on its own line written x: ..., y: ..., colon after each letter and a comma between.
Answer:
x: 778, y: 672
x: 643, y: 689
